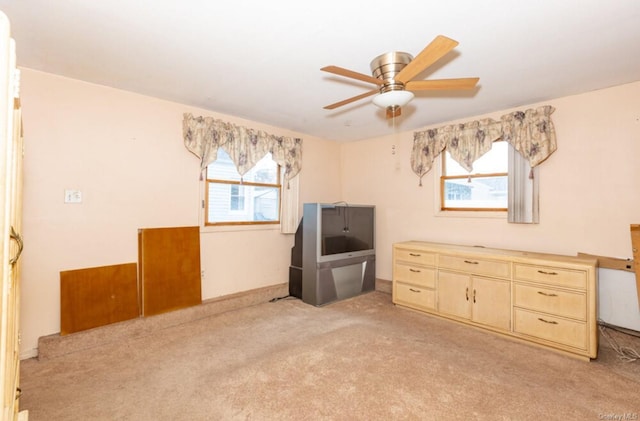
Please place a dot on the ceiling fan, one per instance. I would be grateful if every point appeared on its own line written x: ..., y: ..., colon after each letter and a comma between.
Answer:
x: 393, y: 73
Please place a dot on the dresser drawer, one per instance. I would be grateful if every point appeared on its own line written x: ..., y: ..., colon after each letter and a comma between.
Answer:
x: 476, y: 266
x: 414, y: 296
x: 415, y: 256
x: 556, y: 302
x: 418, y: 275
x: 561, y: 331
x: 551, y: 275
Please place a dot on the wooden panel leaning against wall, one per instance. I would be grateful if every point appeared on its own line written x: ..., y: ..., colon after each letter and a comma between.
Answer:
x: 169, y: 269
x: 165, y: 278
x: 99, y: 296
x: 635, y: 244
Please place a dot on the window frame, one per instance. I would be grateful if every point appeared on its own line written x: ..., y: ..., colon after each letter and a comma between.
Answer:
x: 442, y: 178
x: 242, y: 183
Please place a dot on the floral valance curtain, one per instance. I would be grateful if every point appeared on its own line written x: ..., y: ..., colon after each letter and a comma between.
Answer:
x: 204, y: 135
x: 530, y: 132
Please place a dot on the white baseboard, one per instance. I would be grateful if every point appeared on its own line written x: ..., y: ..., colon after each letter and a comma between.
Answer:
x: 30, y: 353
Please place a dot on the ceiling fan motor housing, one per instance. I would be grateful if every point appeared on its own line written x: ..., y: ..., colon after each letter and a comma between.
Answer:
x: 387, y: 66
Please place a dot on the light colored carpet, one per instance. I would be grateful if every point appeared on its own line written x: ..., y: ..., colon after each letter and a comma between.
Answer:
x: 358, y: 359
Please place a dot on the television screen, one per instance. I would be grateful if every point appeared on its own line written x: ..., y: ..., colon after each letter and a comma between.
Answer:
x: 346, y: 229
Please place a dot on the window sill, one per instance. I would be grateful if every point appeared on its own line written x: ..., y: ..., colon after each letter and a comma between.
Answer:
x: 239, y: 228
x: 471, y: 214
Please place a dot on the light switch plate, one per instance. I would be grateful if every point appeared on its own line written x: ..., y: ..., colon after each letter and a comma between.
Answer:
x: 72, y: 196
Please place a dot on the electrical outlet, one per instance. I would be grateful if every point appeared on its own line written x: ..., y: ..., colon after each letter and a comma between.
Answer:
x: 202, y: 273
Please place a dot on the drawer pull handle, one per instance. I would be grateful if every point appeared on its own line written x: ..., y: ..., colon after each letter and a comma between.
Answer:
x: 415, y: 254
x: 552, y: 322
x: 471, y: 262
x: 547, y: 295
x: 544, y: 272
x: 414, y: 270
x: 414, y: 290
x: 466, y: 293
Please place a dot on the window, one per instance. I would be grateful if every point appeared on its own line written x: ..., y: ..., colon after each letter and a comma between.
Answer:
x: 234, y: 200
x: 237, y: 198
x: 486, y: 189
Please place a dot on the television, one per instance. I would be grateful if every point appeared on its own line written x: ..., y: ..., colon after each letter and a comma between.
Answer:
x: 333, y: 257
x: 342, y: 230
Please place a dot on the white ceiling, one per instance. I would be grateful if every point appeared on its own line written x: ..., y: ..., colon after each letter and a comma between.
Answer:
x: 261, y: 60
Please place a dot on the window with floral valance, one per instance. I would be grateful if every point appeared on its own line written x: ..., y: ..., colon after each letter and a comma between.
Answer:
x: 530, y: 132
x: 203, y: 136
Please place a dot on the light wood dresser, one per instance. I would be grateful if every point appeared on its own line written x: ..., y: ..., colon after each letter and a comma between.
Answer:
x: 545, y: 299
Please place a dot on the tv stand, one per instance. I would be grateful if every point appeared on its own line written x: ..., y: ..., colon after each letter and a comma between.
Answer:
x: 338, y: 279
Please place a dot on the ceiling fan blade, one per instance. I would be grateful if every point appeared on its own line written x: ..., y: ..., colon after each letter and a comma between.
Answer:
x: 350, y: 100
x: 353, y: 75
x: 442, y: 84
x: 433, y: 52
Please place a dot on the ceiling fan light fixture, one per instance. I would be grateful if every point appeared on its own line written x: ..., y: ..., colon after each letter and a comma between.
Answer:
x: 393, y: 99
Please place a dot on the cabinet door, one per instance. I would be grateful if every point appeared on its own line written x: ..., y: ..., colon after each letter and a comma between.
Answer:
x: 491, y: 300
x: 454, y: 291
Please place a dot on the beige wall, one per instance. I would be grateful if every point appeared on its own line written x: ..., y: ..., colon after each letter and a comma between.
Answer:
x: 124, y: 152
x: 589, y: 188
